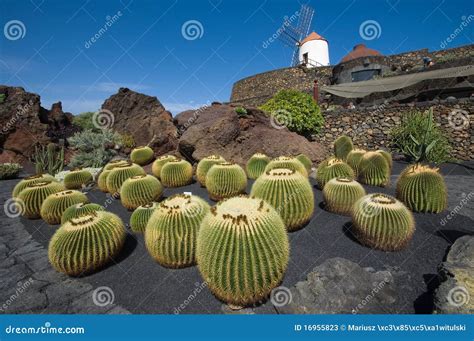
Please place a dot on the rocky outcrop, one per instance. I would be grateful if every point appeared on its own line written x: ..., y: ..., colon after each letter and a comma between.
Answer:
x: 339, y: 286
x: 145, y: 118
x: 218, y: 129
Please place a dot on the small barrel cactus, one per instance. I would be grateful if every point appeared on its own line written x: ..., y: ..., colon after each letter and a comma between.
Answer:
x: 353, y: 159
x: 387, y: 156
x: 176, y: 173
x: 78, y: 210
x: 289, y: 192
x: 256, y: 165
x: 171, y: 232
x: 55, y: 204
x: 332, y: 168
x: 142, y: 155
x: 382, y: 222
x: 77, y: 179
x: 30, y: 180
x: 306, y: 161
x: 422, y: 189
x: 225, y: 180
x: 119, y: 174
x: 114, y: 163
x: 86, y: 243
x: 287, y: 162
x: 342, y: 146
x: 31, y: 198
x: 242, y: 250
x: 204, y: 165
x: 140, y: 217
x: 340, y: 195
x: 159, y: 163
x: 140, y: 190
x: 374, y: 169
x: 102, y: 180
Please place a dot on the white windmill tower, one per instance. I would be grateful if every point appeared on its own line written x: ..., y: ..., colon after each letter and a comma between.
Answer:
x: 311, y: 50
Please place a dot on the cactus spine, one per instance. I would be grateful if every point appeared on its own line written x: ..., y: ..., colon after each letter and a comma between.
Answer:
x: 55, y: 204
x: 225, y: 180
x: 114, y: 163
x: 289, y: 192
x: 32, y: 197
x: 256, y: 165
x: 387, y: 156
x: 140, y: 217
x: 171, y: 232
x: 242, y: 250
x: 340, y: 195
x: 342, y: 146
x: 287, y: 162
x: 30, y: 180
x: 306, y: 161
x: 374, y: 169
x: 142, y: 155
x: 422, y: 189
x: 382, y: 222
x: 102, y: 180
x: 332, y: 168
x: 176, y: 173
x: 78, y: 210
x: 76, y: 179
x: 353, y: 159
x: 140, y: 190
x: 86, y: 243
x: 119, y: 174
x: 204, y: 165
x: 159, y: 163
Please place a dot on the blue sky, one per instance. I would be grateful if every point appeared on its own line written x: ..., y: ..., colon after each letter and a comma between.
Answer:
x: 144, y: 48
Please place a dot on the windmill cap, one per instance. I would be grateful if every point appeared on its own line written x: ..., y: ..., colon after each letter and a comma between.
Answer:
x: 313, y: 36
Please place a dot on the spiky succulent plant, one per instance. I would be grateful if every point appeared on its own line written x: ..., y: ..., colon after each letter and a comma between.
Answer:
x: 55, y: 204
x: 77, y: 179
x: 287, y: 162
x: 204, y: 165
x: 119, y: 174
x: 289, y: 192
x: 242, y: 250
x: 422, y: 189
x: 30, y: 180
x: 306, y: 161
x: 86, y: 243
x: 353, y: 159
x: 31, y: 198
x: 374, y: 169
x: 140, y: 190
x: 114, y: 163
x: 342, y: 146
x: 340, y: 195
x: 171, y: 232
x: 159, y: 163
x: 332, y: 168
x: 387, y: 155
x: 142, y: 155
x: 256, y: 165
x: 176, y: 173
x: 78, y: 210
x: 225, y: 180
x: 140, y: 217
x: 382, y: 222
x: 102, y: 180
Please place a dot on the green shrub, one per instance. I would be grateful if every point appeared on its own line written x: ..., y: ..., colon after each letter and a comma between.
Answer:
x: 84, y: 120
x: 241, y: 111
x: 93, y: 149
x: 9, y: 170
x: 2, y: 98
x: 127, y: 140
x: 296, y: 110
x: 420, y: 139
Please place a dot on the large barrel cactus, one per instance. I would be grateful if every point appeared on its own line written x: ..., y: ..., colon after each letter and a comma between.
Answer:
x: 119, y: 174
x: 31, y: 198
x: 242, y: 250
x: 422, y: 189
x: 176, y: 173
x: 77, y: 179
x: 353, y: 159
x: 387, y: 155
x: 342, y: 146
x: 171, y: 232
x: 102, y: 180
x: 86, y: 243
x: 374, y: 169
x: 114, y: 163
x: 55, y: 204
x: 142, y: 155
x: 140, y: 217
x: 225, y: 180
x: 332, y: 168
x: 140, y: 190
x: 80, y: 209
x: 382, y: 222
x: 306, y: 161
x: 30, y: 180
x: 340, y: 195
x: 159, y: 163
x: 289, y: 192
x: 287, y: 162
x: 204, y: 165
x: 256, y: 165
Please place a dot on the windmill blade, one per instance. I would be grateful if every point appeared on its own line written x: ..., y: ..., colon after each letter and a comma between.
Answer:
x: 295, y: 59
x: 288, y: 38
x: 304, y: 20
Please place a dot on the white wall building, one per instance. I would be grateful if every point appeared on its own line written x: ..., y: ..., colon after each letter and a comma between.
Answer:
x: 314, y: 51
